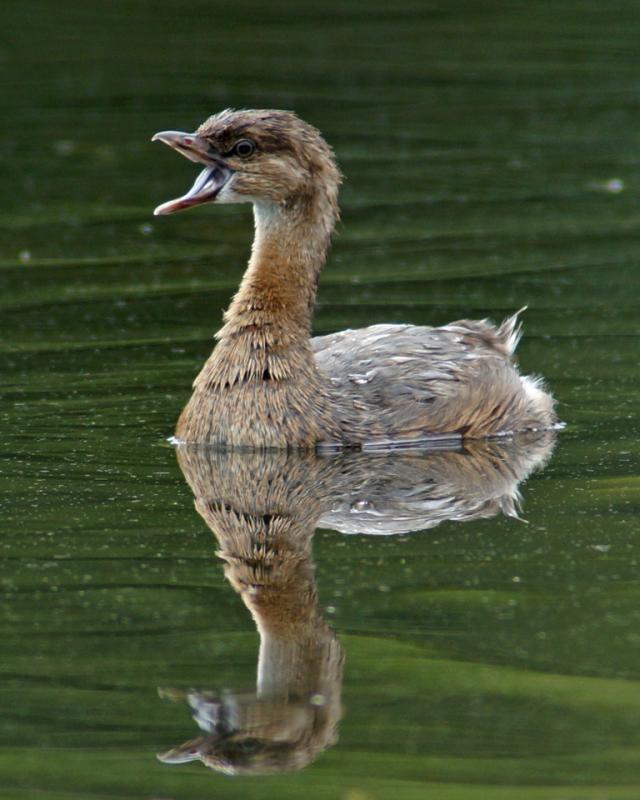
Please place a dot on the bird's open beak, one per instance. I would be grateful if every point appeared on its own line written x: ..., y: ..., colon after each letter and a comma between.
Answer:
x: 209, y: 181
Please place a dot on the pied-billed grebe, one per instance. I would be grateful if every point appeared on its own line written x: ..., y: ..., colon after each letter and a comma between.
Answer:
x: 268, y: 384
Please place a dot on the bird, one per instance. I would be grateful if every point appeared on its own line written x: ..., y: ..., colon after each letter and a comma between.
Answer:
x: 268, y: 383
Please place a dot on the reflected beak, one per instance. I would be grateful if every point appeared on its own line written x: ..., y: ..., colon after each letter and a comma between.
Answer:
x: 208, y: 183
x: 189, y: 751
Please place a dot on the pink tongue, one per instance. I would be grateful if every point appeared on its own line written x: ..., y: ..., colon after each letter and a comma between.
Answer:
x: 201, y: 191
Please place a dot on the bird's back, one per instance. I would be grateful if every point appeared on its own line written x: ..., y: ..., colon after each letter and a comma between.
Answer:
x: 406, y: 382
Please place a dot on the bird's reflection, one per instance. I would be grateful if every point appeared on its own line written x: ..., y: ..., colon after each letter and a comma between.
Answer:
x: 263, y: 509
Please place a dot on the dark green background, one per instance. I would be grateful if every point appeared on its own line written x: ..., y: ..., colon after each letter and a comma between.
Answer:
x: 492, y: 155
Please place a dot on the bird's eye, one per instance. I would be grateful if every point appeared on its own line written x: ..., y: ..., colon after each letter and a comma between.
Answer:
x: 244, y: 148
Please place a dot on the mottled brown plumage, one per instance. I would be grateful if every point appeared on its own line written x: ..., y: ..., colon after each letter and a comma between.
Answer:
x: 267, y: 384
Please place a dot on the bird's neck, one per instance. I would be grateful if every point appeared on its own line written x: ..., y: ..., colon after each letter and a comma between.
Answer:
x: 278, y: 289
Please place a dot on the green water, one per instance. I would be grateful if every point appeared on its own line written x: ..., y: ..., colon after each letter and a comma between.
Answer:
x: 492, y: 157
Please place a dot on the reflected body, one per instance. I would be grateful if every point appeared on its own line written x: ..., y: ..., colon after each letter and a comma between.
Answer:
x: 267, y: 383
x: 263, y: 509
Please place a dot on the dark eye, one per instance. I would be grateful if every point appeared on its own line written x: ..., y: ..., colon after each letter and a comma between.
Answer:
x: 244, y: 148
x: 249, y: 745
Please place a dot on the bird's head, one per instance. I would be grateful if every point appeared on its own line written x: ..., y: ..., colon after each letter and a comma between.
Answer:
x: 263, y: 157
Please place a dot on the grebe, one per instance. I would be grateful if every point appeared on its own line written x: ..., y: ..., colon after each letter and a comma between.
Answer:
x: 268, y: 384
